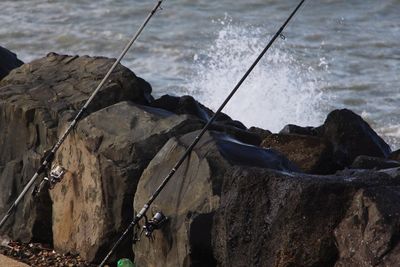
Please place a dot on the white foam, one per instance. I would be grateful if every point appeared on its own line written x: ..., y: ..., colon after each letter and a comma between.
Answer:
x: 279, y: 91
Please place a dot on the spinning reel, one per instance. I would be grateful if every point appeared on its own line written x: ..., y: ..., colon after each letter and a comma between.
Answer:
x: 55, y: 176
x: 155, y: 223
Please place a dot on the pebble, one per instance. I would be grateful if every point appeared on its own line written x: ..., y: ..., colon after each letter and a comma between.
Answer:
x: 39, y: 255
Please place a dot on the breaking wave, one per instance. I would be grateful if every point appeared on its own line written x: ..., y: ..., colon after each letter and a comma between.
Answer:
x: 280, y: 90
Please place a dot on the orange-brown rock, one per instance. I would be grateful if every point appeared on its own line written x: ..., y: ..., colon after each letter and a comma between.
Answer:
x: 311, y: 154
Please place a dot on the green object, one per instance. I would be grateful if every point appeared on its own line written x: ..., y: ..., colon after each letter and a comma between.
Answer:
x: 125, y: 263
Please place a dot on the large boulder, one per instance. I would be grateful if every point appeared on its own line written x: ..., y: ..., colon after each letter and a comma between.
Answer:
x: 36, y: 102
x: 192, y: 196
x: 369, y: 233
x: 8, y: 62
x: 351, y: 136
x: 269, y: 218
x: 332, y: 146
x: 105, y: 157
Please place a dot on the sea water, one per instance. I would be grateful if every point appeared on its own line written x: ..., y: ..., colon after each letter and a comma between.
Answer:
x: 335, y: 54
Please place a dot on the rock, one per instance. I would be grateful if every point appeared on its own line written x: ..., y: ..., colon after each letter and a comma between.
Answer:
x: 240, y: 135
x: 351, y: 136
x: 365, y: 162
x: 223, y: 123
x: 36, y: 101
x: 369, y: 233
x: 395, y: 155
x: 343, y: 136
x: 294, y: 129
x: 8, y: 62
x: 188, y: 105
x: 260, y: 132
x: 311, y: 154
x: 105, y: 158
x: 269, y: 218
x: 192, y: 196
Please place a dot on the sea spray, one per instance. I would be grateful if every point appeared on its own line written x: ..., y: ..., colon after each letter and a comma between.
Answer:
x: 280, y: 90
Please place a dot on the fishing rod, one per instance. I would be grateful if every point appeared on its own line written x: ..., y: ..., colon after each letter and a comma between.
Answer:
x: 56, y: 175
x: 142, y: 212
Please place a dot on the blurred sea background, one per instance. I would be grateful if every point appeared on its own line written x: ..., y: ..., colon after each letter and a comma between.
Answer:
x: 336, y: 54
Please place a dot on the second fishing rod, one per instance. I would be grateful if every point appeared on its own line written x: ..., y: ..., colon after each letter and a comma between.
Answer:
x: 143, y: 211
x: 57, y: 173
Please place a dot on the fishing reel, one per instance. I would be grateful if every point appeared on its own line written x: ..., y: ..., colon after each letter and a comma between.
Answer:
x: 55, y: 176
x: 155, y: 223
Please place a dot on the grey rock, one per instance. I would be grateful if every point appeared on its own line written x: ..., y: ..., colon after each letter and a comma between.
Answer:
x: 36, y: 102
x: 223, y: 123
x: 269, y: 218
x: 368, y: 235
x: 105, y: 158
x: 192, y: 196
x: 351, y: 136
x: 294, y: 129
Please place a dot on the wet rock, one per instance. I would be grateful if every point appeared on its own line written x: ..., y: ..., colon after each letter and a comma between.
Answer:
x: 262, y: 133
x: 36, y: 101
x: 241, y: 135
x: 369, y: 233
x: 105, y: 158
x: 269, y: 218
x: 395, y: 155
x: 187, y: 105
x: 311, y: 154
x: 351, y: 136
x: 192, y: 196
x: 8, y: 62
x: 223, y: 123
x: 365, y: 162
x: 294, y: 129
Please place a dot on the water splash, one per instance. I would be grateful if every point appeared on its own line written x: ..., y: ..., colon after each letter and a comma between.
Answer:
x: 279, y: 91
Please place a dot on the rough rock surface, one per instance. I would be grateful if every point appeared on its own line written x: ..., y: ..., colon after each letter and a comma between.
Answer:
x: 269, y: 218
x: 311, y: 154
x: 369, y: 233
x: 351, y: 136
x: 8, y: 62
x: 223, y: 123
x: 35, y: 100
x: 366, y: 162
x: 230, y: 203
x: 106, y: 156
x: 294, y: 129
x: 6, y: 261
x: 333, y: 145
x: 192, y: 196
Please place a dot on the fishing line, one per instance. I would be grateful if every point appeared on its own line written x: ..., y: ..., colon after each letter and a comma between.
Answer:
x: 49, y: 157
x: 142, y: 212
